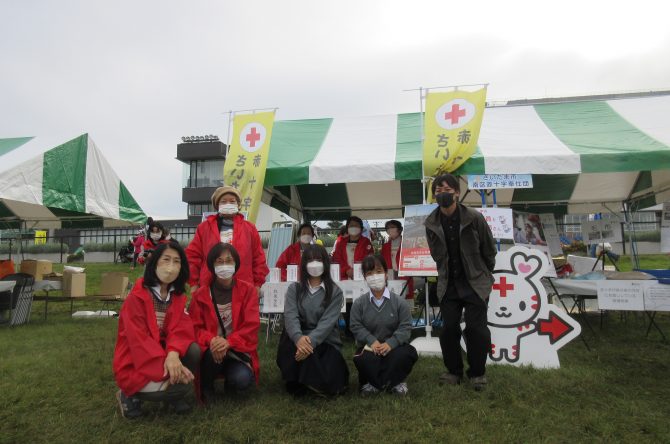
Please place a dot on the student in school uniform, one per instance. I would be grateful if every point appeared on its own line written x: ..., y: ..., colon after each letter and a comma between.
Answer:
x: 381, y: 323
x: 309, y: 354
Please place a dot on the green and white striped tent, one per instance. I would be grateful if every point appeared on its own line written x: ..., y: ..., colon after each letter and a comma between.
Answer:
x: 586, y: 155
x: 70, y: 185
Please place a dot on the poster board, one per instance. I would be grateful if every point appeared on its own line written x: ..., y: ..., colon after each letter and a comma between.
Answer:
x: 656, y: 297
x: 665, y: 228
x: 499, y: 221
x: 621, y: 295
x: 528, y: 230
x: 551, y: 235
x: 415, y: 258
x: 600, y: 231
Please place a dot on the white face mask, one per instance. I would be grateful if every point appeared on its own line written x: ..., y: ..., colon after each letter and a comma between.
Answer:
x: 376, y: 281
x: 167, y: 274
x: 354, y: 231
x: 305, y: 239
x: 156, y: 236
x: 315, y: 268
x: 224, y: 271
x: 228, y: 208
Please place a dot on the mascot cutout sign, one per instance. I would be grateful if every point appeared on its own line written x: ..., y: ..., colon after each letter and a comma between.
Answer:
x: 525, y: 328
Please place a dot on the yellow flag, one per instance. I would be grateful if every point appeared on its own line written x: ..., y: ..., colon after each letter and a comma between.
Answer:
x: 451, y: 129
x: 247, y: 159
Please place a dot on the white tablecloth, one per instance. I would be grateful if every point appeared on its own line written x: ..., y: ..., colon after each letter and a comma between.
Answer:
x: 575, y: 286
x: 47, y: 285
x: 273, y: 294
x: 7, y: 285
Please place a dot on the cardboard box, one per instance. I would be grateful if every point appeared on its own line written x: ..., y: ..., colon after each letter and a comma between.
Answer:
x: 114, y: 284
x: 74, y: 284
x: 36, y: 268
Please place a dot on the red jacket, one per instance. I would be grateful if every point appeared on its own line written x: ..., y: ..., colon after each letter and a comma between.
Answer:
x: 137, y: 243
x: 149, y: 244
x: 386, y: 254
x: 139, y: 355
x: 246, y: 241
x: 246, y: 320
x: 364, y: 248
x: 290, y: 256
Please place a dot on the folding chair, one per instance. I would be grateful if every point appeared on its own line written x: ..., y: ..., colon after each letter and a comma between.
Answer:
x: 19, y: 301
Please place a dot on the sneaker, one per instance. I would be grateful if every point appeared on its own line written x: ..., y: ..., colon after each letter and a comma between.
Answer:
x: 449, y: 379
x: 130, y: 407
x: 181, y: 407
x: 400, y: 389
x: 368, y: 389
x: 479, y: 383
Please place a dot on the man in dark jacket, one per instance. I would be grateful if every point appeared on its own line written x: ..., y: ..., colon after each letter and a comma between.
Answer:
x: 462, y: 245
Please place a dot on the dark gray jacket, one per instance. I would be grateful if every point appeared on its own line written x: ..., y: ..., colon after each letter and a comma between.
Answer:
x: 478, y: 250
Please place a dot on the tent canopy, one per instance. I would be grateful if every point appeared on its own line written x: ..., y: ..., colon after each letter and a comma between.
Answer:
x: 585, y: 156
x: 67, y: 186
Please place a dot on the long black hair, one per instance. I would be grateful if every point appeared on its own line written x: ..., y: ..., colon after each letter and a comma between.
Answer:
x: 316, y: 252
x: 150, y: 277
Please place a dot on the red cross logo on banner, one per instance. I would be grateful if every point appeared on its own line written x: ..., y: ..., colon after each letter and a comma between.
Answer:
x: 252, y: 137
x: 455, y: 114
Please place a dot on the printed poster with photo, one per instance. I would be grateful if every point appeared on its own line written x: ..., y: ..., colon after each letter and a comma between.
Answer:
x: 528, y: 229
x: 415, y: 258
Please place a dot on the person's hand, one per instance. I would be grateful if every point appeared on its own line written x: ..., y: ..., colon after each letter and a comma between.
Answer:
x: 299, y: 356
x: 186, y: 375
x: 375, y: 347
x: 304, y: 346
x: 350, y: 273
x: 218, y: 344
x: 173, y: 367
x: 194, y: 288
x: 383, y: 349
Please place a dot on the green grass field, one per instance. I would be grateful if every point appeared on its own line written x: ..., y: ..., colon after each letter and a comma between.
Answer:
x: 56, y: 385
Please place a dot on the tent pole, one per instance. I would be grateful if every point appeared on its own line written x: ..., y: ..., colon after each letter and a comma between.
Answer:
x: 427, y: 345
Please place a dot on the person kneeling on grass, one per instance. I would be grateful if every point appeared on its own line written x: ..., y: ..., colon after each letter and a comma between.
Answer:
x: 309, y: 348
x: 156, y: 356
x: 226, y: 322
x: 381, y: 323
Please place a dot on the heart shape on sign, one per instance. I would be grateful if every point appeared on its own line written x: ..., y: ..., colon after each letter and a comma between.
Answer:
x: 524, y: 268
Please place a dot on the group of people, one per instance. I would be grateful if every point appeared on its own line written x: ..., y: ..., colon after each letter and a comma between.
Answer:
x: 163, y: 346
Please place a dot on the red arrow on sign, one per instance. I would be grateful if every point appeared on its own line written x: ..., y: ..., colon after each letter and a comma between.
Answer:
x: 554, y: 327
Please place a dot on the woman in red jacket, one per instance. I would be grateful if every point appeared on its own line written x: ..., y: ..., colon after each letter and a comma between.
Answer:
x: 155, y: 237
x: 352, y: 248
x: 156, y: 356
x: 228, y: 227
x: 293, y: 254
x: 226, y: 322
x: 391, y: 254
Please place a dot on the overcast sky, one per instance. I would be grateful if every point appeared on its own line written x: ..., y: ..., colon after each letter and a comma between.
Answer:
x: 138, y: 75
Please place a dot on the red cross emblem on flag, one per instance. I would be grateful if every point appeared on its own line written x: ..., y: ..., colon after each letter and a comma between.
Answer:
x: 252, y: 137
x: 455, y: 114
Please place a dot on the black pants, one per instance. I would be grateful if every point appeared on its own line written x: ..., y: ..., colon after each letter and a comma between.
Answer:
x: 477, y: 335
x: 135, y: 256
x: 191, y: 360
x: 324, y: 370
x: 238, y: 376
x: 385, y: 372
